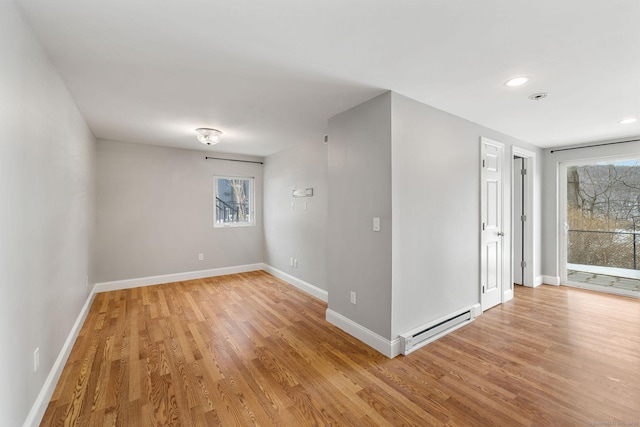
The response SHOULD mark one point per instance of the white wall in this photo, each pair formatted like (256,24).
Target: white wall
(297,233)
(46,214)
(550,222)
(155,212)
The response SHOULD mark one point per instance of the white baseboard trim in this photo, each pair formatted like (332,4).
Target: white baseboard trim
(175,277)
(389,348)
(300,284)
(40,405)
(537,281)
(508,295)
(551,280)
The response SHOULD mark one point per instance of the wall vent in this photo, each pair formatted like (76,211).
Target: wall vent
(430,332)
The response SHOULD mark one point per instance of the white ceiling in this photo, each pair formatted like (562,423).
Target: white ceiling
(269,74)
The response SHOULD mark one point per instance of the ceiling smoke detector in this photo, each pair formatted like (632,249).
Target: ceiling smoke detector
(538,96)
(208,136)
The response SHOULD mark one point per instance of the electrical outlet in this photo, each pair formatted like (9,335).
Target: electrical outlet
(86,282)
(36,359)
(353,297)
(295,263)
(290,262)
(200,257)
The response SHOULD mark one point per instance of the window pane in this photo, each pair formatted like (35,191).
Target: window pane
(233,201)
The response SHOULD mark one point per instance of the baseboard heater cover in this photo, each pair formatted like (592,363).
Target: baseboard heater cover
(419,337)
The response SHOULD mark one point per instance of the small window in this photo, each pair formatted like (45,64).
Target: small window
(233,201)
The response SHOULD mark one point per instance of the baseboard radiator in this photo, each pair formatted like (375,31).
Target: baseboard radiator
(430,332)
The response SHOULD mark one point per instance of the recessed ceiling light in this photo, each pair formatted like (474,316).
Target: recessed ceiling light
(628,120)
(517,81)
(538,96)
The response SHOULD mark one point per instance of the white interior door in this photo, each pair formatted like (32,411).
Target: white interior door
(492,209)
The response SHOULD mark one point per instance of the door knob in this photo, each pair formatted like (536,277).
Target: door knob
(500,233)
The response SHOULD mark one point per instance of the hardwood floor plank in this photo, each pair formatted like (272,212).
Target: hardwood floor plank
(248,349)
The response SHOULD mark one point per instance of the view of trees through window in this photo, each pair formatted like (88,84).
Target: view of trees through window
(603,214)
(233,201)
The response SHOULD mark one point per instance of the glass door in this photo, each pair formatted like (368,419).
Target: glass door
(602,226)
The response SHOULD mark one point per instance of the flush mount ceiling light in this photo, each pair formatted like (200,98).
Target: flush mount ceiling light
(538,96)
(208,136)
(628,120)
(517,81)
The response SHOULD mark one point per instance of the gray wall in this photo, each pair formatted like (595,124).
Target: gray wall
(551,223)
(359,259)
(418,168)
(297,233)
(47,163)
(436,211)
(155,212)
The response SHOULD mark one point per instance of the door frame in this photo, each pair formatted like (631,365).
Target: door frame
(507,291)
(529,278)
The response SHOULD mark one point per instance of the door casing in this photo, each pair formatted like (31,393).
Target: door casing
(528,278)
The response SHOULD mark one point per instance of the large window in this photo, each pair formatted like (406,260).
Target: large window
(233,201)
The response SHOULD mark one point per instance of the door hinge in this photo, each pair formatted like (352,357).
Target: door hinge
(483,289)
(483,226)
(523,264)
(523,171)
(523,218)
(482,162)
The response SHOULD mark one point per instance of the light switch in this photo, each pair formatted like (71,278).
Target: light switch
(376,224)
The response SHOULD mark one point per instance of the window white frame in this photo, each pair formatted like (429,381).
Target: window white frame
(217,206)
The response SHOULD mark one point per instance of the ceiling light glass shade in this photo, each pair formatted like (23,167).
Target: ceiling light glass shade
(516,81)
(208,136)
(628,121)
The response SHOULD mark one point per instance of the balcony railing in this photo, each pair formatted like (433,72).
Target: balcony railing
(615,249)
(227,211)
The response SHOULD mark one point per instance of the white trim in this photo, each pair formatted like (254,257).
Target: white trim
(40,404)
(508,295)
(298,283)
(551,280)
(529,255)
(389,348)
(538,280)
(561,223)
(175,277)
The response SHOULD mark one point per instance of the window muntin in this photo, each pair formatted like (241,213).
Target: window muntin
(233,201)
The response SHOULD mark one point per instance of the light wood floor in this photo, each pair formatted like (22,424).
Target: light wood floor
(249,349)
